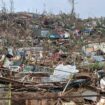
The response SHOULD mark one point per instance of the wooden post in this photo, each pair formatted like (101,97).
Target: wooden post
(9,103)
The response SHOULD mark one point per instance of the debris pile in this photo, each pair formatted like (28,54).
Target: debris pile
(51,59)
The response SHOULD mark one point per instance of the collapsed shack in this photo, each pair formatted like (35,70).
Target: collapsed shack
(42,99)
(48,98)
(32,93)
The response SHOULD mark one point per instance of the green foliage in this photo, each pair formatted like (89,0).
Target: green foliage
(51,70)
(96,66)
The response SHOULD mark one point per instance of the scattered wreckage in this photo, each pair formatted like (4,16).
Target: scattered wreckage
(39,82)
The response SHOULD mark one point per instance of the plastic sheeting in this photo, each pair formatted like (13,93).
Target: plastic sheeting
(98,58)
(64,71)
(61,73)
(102,83)
(90,92)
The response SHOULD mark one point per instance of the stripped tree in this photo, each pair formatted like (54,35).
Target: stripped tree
(4,10)
(11,6)
(72,3)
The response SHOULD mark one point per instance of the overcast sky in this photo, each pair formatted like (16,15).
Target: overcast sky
(85,8)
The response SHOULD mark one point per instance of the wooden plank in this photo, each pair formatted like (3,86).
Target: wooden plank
(36,74)
(8,80)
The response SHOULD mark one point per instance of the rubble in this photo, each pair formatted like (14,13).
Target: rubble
(45,52)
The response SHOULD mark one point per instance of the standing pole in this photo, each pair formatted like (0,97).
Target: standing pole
(10,95)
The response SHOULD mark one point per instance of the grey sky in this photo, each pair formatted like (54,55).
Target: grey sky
(85,8)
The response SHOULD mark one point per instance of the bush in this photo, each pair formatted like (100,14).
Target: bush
(96,66)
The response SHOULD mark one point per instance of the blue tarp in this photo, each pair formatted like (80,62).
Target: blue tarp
(87,30)
(54,36)
(98,58)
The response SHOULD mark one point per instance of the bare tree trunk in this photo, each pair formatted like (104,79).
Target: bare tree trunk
(72,3)
(4,10)
(11,6)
